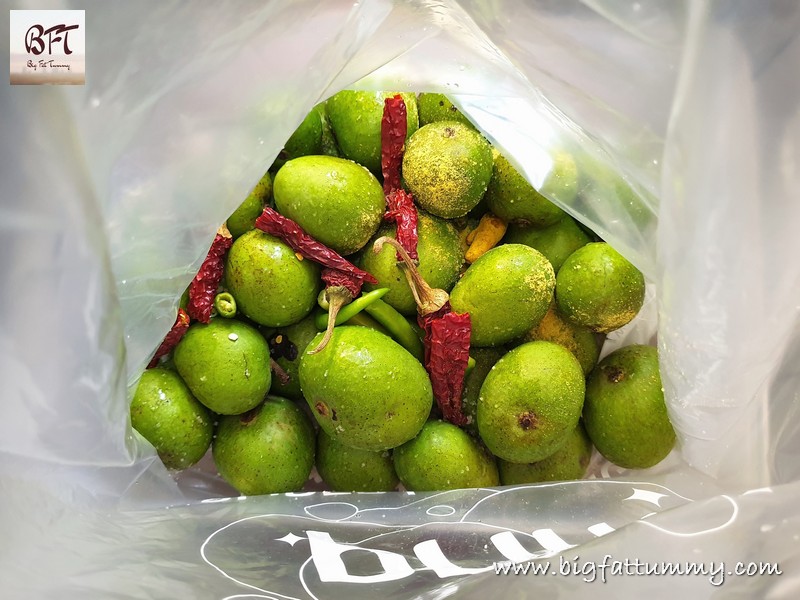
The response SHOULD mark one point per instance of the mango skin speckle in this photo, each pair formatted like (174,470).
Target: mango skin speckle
(447,167)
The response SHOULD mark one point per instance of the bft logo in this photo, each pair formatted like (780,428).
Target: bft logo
(34,42)
(47,47)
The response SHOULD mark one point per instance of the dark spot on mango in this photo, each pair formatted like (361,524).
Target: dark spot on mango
(249,415)
(321,408)
(614,374)
(528,420)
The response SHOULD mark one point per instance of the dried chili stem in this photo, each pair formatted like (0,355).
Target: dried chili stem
(337,297)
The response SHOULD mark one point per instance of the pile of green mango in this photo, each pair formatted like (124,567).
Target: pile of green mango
(538,399)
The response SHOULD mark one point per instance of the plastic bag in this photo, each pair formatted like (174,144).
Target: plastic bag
(112,193)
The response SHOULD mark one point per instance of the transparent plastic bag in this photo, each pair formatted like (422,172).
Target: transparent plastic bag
(687,115)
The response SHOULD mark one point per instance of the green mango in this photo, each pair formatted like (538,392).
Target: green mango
(556,242)
(437,107)
(513,199)
(485,359)
(336,201)
(581,341)
(447,167)
(506,292)
(530,401)
(272,286)
(267,450)
(347,469)
(243,219)
(440,260)
(355,117)
(225,364)
(568,463)
(625,413)
(598,288)
(444,457)
(306,139)
(166,414)
(365,390)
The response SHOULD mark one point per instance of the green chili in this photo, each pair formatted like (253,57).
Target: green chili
(225,305)
(348,311)
(398,327)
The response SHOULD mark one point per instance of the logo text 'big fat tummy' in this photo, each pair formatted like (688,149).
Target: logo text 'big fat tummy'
(47,47)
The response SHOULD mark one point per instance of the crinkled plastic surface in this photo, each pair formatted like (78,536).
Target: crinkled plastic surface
(685,115)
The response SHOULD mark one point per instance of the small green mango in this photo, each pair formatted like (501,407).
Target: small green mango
(598,288)
(568,463)
(625,412)
(347,469)
(444,457)
(506,292)
(355,117)
(447,167)
(530,401)
(556,242)
(164,411)
(336,201)
(438,107)
(267,450)
(225,364)
(365,390)
(272,286)
(306,139)
(513,199)
(243,219)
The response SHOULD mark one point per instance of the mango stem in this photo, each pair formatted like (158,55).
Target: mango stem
(428,299)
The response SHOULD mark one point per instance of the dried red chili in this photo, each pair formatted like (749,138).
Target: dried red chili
(172,338)
(399,203)
(343,280)
(274,223)
(447,337)
(394,129)
(204,285)
(401,210)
